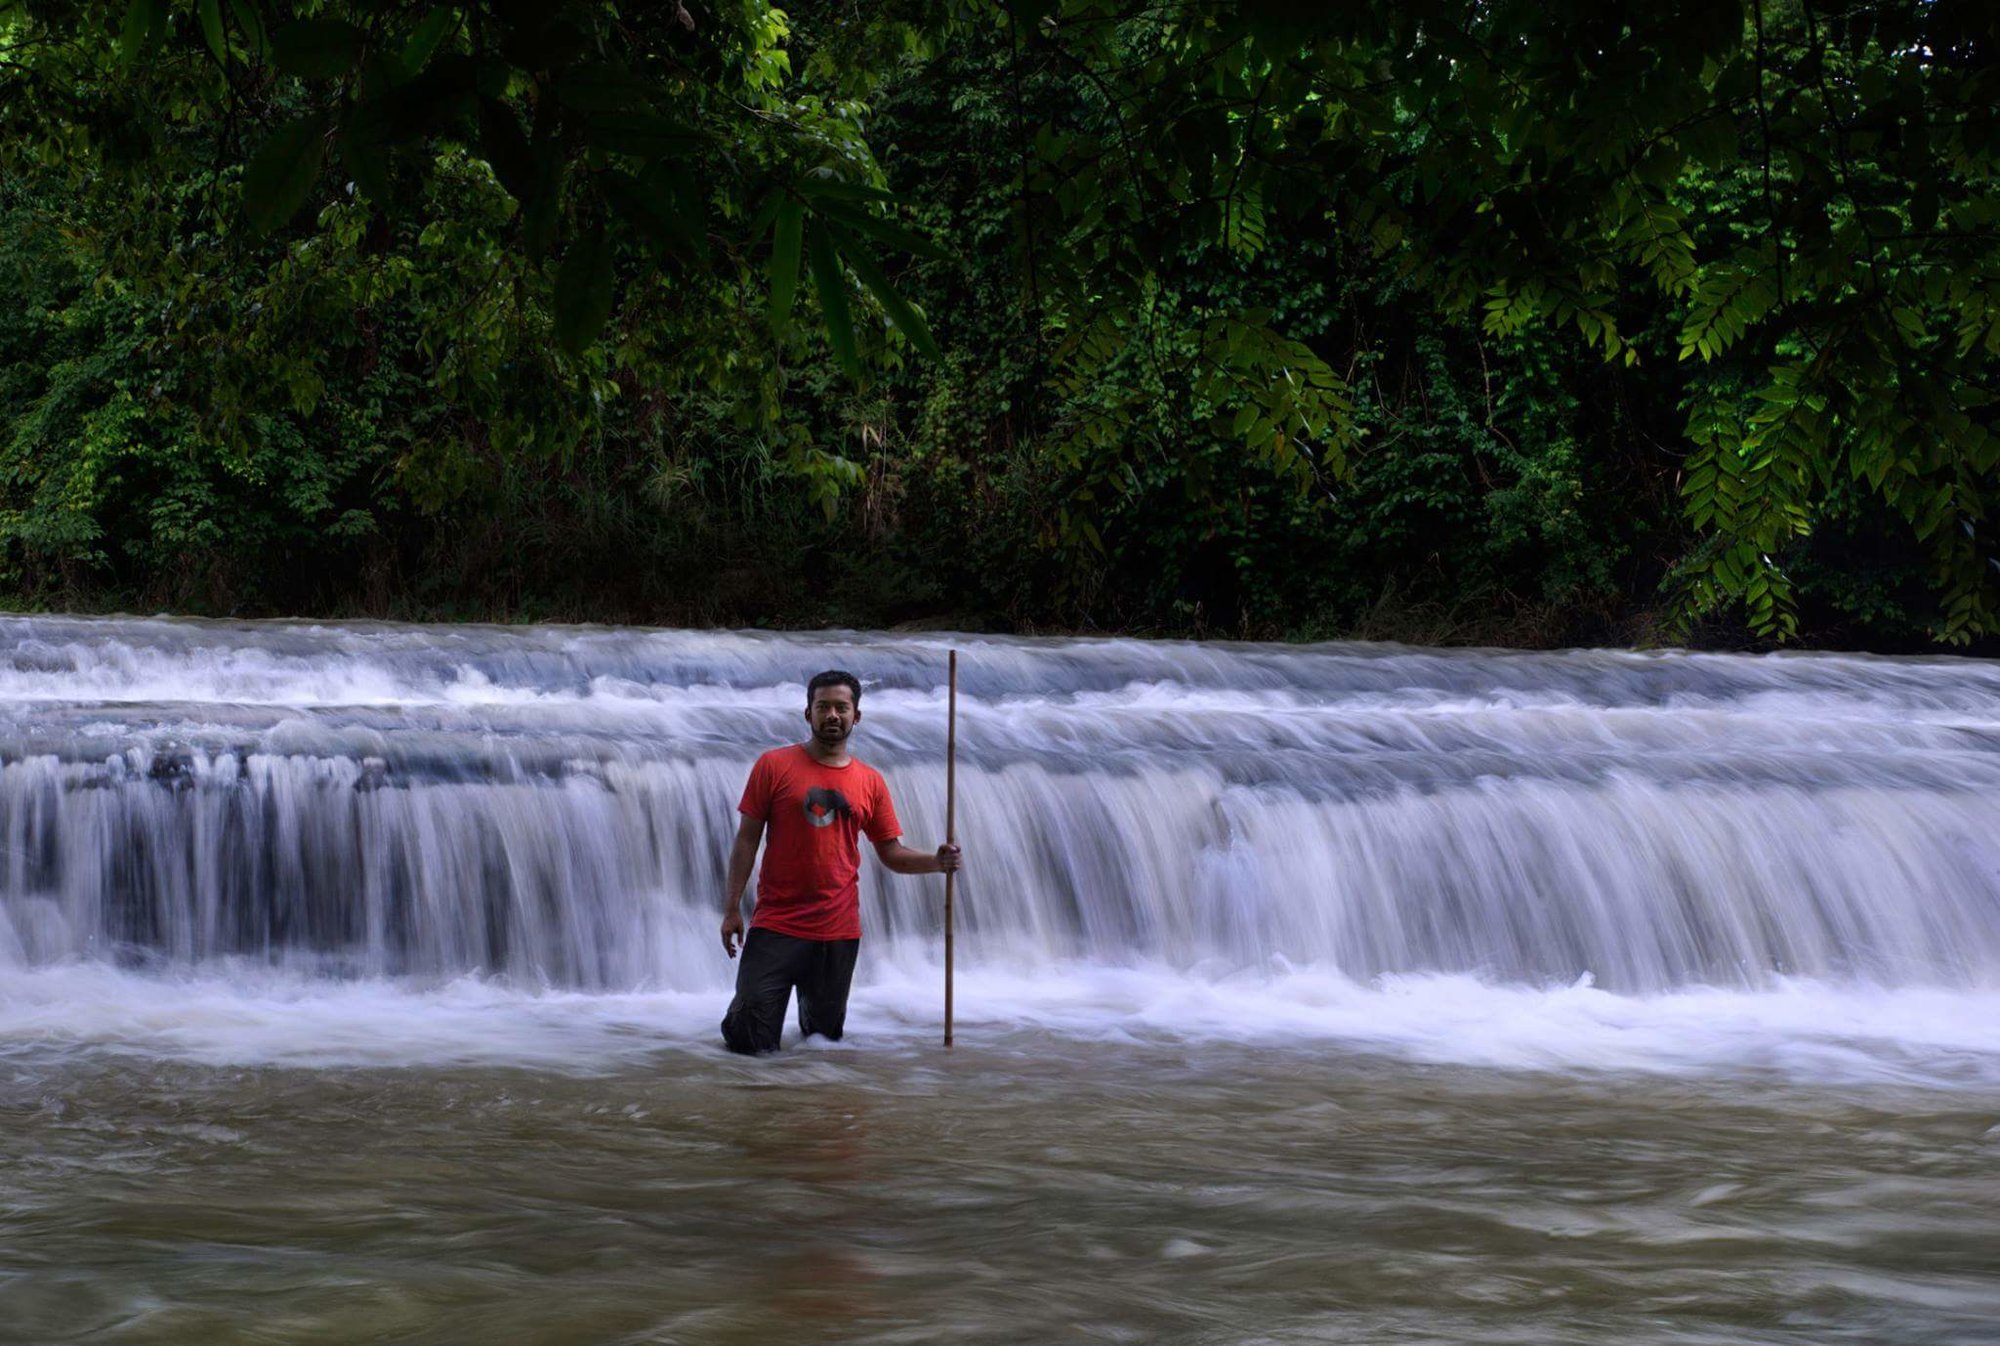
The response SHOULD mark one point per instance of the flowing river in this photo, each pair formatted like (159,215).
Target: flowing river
(360,984)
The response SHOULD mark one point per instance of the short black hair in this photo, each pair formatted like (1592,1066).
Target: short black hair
(833,677)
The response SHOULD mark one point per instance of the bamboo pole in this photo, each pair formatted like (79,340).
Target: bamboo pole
(950,824)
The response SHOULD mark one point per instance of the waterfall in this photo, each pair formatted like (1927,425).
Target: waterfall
(552,806)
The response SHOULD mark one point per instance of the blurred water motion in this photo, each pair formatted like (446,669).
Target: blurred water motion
(554,804)
(360,984)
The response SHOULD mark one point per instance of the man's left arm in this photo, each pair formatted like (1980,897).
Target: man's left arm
(903,860)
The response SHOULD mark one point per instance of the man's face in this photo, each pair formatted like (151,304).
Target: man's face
(832,715)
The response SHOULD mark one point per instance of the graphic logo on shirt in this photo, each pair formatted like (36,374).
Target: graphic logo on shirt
(822,806)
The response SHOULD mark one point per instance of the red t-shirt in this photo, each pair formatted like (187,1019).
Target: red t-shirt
(809,885)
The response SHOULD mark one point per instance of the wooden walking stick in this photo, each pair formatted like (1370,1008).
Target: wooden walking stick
(950,823)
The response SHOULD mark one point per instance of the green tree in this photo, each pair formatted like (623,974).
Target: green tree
(1163,274)
(1809,191)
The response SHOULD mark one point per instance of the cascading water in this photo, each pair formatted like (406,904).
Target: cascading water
(1258,834)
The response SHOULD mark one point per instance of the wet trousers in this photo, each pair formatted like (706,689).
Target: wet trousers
(769,969)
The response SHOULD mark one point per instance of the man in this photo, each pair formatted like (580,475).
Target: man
(806,927)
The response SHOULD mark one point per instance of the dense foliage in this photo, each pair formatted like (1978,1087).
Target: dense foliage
(1532,322)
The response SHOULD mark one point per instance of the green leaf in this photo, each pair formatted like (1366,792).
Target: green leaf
(144,20)
(886,232)
(282,174)
(583,292)
(251,24)
(436,26)
(210,14)
(318,48)
(786,237)
(832,288)
(767,212)
(871,275)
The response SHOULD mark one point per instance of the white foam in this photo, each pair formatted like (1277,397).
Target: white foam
(264,1018)
(1801,1031)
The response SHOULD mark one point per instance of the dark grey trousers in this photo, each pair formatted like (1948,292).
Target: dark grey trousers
(769,969)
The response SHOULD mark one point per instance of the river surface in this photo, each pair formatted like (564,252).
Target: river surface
(359,984)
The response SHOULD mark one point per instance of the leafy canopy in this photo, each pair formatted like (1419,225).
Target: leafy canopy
(1786,207)
(1799,201)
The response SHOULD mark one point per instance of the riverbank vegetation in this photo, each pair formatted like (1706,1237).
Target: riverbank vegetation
(1520,323)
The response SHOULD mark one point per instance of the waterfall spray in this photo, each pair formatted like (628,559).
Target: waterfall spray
(540,807)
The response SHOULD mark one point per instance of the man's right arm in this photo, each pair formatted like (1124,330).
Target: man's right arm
(742,859)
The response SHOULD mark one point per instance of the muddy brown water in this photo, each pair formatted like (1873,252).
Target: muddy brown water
(1020,1190)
